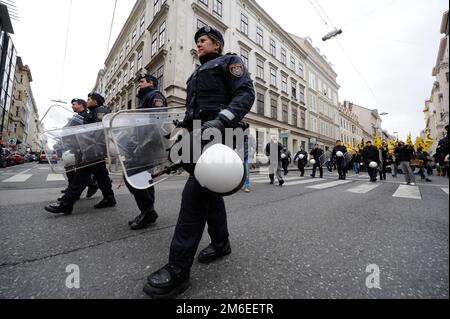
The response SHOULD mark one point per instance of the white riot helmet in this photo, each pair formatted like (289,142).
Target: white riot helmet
(302,156)
(339,154)
(220,170)
(373,164)
(313,161)
(283,156)
(68,159)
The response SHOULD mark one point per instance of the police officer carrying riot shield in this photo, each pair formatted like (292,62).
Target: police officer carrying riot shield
(82,177)
(317,153)
(302,158)
(148,98)
(79,106)
(338,157)
(219,94)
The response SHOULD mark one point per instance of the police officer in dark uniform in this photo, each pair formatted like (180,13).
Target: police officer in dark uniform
(220,93)
(81,179)
(317,153)
(370,154)
(301,161)
(79,106)
(149,98)
(340,161)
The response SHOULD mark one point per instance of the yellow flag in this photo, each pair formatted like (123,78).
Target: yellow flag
(392,145)
(379,142)
(409,140)
(350,148)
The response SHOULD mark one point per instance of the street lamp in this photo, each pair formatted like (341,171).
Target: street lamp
(332,34)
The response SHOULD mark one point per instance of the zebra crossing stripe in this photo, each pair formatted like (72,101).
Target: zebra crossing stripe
(329,185)
(308,181)
(18,178)
(364,188)
(267,180)
(406,191)
(445,190)
(55,178)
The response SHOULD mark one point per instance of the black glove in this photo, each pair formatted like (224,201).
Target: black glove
(215,124)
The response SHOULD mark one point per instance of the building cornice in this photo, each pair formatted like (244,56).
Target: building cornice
(202,12)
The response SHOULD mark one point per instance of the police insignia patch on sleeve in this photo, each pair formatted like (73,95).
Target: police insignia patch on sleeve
(237,69)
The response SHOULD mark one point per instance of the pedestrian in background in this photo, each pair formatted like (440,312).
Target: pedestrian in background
(405,154)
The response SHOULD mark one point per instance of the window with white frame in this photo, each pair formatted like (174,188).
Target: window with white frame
(294,116)
(313,101)
(312,81)
(273,76)
(283,56)
(285,113)
(260,36)
(273,48)
(293,64)
(139,61)
(132,68)
(284,86)
(162,34)
(244,24)
(244,56)
(205,2)
(260,68)
(302,94)
(301,70)
(142,26)
(134,37)
(260,104)
(294,90)
(217,7)
(154,43)
(274,108)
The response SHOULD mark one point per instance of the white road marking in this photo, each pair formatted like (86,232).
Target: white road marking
(364,188)
(329,185)
(308,181)
(55,177)
(445,190)
(20,178)
(267,180)
(406,191)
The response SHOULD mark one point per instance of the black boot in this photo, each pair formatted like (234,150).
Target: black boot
(60,208)
(281,183)
(109,201)
(92,190)
(167,283)
(272,178)
(144,220)
(214,252)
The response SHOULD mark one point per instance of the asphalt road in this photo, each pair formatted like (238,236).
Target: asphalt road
(309,239)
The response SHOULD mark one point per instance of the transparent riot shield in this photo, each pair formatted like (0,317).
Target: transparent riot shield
(348,159)
(67,143)
(75,147)
(139,141)
(326,157)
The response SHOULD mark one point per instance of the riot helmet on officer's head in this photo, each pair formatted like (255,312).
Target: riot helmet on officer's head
(78,105)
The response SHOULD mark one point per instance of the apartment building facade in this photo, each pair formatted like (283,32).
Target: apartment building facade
(158,38)
(369,121)
(23,116)
(350,129)
(437,106)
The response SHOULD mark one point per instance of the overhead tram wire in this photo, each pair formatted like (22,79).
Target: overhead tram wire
(111,28)
(65,50)
(342,47)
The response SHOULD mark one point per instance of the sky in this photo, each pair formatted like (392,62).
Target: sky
(383,59)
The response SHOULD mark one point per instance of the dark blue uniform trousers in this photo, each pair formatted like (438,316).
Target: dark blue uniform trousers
(145,199)
(198,207)
(82,178)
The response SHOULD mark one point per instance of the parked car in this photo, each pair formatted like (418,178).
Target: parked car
(10,159)
(43,158)
(18,158)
